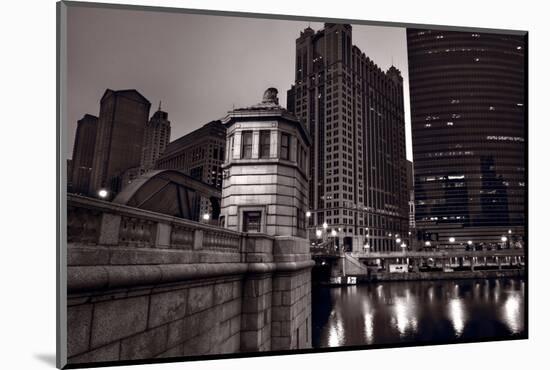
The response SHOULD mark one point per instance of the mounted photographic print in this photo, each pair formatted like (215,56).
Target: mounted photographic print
(235,184)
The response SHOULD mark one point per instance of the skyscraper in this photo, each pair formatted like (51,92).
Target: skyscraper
(123,115)
(155,139)
(83,154)
(355,116)
(468,131)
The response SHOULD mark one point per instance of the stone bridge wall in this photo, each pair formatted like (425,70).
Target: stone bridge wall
(145,285)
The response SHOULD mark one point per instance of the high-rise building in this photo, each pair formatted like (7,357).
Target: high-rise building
(123,115)
(155,139)
(410,189)
(354,112)
(83,154)
(468,129)
(199,154)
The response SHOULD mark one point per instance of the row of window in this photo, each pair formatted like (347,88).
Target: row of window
(265,145)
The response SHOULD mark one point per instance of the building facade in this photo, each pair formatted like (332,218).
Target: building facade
(199,154)
(83,154)
(123,115)
(265,174)
(468,130)
(155,139)
(354,113)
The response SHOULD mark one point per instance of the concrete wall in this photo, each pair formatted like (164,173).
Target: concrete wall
(145,285)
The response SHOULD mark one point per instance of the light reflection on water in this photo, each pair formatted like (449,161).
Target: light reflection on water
(400,312)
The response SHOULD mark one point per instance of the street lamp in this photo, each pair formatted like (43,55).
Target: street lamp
(366,247)
(333,233)
(102,193)
(452,239)
(325,225)
(503,239)
(318,233)
(308,214)
(206,217)
(398,240)
(428,243)
(509,231)
(389,235)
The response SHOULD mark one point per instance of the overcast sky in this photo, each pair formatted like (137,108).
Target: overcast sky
(199,66)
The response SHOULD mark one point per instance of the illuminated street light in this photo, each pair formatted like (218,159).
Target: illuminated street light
(389,235)
(452,239)
(308,214)
(403,245)
(509,231)
(206,216)
(366,247)
(325,225)
(398,240)
(318,233)
(427,244)
(469,242)
(333,233)
(103,193)
(503,239)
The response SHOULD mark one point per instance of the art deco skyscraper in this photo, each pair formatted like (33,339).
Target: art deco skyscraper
(123,115)
(155,139)
(83,153)
(468,130)
(355,115)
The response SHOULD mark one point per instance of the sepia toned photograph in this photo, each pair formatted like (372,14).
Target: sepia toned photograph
(246,184)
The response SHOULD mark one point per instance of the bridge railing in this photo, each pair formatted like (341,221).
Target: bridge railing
(92,222)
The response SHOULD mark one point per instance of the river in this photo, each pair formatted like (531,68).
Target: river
(416,312)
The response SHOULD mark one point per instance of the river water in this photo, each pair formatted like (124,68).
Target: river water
(415,312)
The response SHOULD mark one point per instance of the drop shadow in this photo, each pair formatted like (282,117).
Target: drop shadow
(47,358)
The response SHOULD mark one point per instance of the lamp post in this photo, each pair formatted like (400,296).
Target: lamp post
(504,239)
(366,247)
(103,193)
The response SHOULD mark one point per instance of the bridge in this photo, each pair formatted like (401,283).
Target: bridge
(141,284)
(417,265)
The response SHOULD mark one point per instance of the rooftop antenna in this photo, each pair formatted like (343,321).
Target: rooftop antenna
(160,104)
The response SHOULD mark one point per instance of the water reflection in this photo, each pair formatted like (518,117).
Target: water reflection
(417,311)
(456,312)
